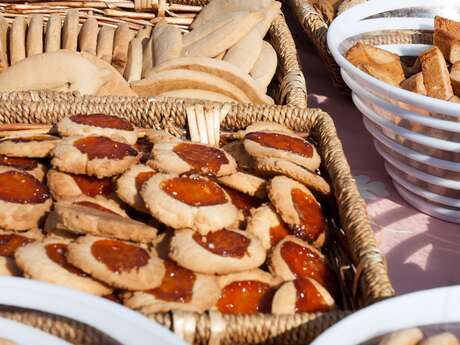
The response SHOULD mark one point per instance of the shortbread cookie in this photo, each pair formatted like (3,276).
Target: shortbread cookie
(220,252)
(94,155)
(246,292)
(298,208)
(197,158)
(98,124)
(24,200)
(293,258)
(246,183)
(291,147)
(189,202)
(267,226)
(277,166)
(130,183)
(32,146)
(48,261)
(29,165)
(302,295)
(65,186)
(180,289)
(239,154)
(9,243)
(86,217)
(120,264)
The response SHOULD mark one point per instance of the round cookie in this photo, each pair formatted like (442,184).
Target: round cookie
(98,124)
(243,202)
(267,226)
(93,155)
(188,157)
(302,295)
(130,183)
(48,261)
(189,202)
(278,166)
(246,183)
(298,208)
(65,186)
(157,136)
(293,258)
(9,243)
(93,217)
(246,292)
(219,252)
(263,126)
(291,147)
(117,263)
(31,145)
(29,165)
(180,289)
(24,200)
(239,154)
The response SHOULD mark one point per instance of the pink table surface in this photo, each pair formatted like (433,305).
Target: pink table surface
(422,252)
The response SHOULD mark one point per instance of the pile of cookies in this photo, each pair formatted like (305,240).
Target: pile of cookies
(435,73)
(223,58)
(160,223)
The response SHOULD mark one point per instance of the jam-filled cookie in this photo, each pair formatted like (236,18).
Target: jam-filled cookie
(264,126)
(189,202)
(293,258)
(94,155)
(29,165)
(291,147)
(9,243)
(120,264)
(221,252)
(24,200)
(298,208)
(130,183)
(96,218)
(98,124)
(180,289)
(267,226)
(246,292)
(65,186)
(246,183)
(245,203)
(237,151)
(185,156)
(157,136)
(48,261)
(277,166)
(302,295)
(32,146)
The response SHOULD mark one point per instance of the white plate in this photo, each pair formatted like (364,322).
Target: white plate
(25,335)
(120,323)
(429,307)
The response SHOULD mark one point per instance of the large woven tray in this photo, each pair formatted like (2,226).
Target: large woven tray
(354,254)
(288,86)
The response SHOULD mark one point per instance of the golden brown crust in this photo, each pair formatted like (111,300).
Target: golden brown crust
(435,74)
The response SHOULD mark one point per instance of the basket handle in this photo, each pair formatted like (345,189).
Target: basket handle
(204,122)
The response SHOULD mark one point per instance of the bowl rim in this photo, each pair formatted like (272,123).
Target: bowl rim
(375,7)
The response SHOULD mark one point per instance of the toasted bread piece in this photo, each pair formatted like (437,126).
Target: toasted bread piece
(379,63)
(435,74)
(452,26)
(455,78)
(328,8)
(449,45)
(415,84)
(454,99)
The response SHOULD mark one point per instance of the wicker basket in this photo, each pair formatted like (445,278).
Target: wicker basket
(354,255)
(315,26)
(288,86)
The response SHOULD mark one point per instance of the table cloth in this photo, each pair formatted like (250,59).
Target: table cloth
(422,252)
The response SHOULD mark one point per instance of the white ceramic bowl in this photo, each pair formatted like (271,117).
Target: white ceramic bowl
(418,136)
(430,307)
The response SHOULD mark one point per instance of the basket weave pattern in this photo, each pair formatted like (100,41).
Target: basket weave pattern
(214,328)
